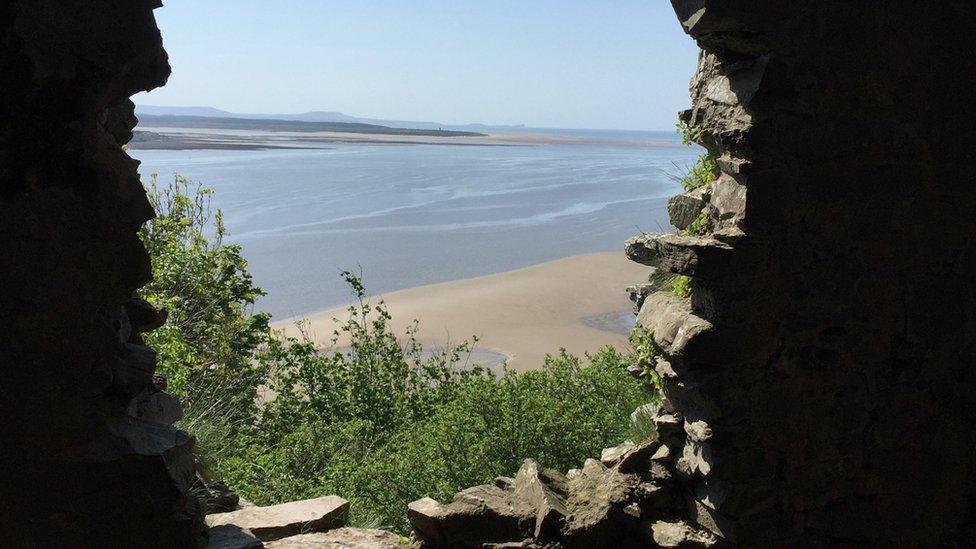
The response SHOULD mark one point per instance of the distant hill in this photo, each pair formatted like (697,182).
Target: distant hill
(313,116)
(330,117)
(183,111)
(281,125)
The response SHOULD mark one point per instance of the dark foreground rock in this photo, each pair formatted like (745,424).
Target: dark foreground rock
(88,456)
(819,377)
(230,536)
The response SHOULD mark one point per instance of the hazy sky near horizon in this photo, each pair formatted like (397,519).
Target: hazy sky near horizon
(623,64)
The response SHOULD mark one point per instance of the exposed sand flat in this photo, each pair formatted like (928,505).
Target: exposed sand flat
(189,138)
(179,138)
(522,314)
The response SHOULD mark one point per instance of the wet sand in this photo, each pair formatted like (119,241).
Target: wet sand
(519,316)
(196,138)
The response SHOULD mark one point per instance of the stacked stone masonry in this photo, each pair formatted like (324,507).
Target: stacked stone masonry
(822,370)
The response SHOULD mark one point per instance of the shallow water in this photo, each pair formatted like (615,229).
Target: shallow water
(407,215)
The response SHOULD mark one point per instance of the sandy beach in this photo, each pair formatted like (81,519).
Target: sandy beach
(195,138)
(578,303)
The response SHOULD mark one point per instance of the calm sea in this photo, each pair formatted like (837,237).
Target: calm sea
(407,215)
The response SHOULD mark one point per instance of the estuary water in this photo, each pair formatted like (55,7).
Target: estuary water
(408,215)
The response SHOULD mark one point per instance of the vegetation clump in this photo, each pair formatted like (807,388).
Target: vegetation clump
(701,174)
(701,225)
(646,352)
(206,348)
(681,286)
(376,418)
(705,170)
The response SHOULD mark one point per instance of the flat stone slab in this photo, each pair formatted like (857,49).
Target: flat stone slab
(343,538)
(705,258)
(287,519)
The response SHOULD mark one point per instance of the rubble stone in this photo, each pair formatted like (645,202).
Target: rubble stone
(610,456)
(287,519)
(684,208)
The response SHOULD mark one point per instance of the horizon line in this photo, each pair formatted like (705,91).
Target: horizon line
(521,125)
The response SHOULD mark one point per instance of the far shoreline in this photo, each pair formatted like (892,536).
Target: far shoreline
(176,138)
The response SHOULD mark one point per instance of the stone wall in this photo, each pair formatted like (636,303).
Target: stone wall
(85,461)
(820,377)
(823,366)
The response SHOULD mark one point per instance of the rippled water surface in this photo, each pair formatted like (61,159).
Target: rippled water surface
(418,214)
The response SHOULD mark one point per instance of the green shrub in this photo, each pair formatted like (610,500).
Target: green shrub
(559,415)
(376,378)
(211,334)
(483,427)
(380,421)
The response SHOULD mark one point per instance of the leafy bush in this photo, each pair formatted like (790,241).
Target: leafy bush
(705,169)
(205,347)
(374,379)
(384,423)
(379,421)
(559,415)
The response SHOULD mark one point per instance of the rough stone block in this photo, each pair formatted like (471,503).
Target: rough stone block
(704,258)
(156,406)
(637,459)
(670,320)
(287,519)
(545,491)
(610,456)
(683,209)
(728,198)
(478,515)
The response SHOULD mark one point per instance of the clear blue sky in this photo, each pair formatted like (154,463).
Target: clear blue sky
(556,63)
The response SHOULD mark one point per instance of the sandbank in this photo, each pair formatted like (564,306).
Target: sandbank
(578,303)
